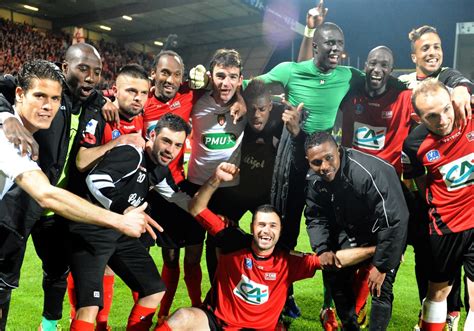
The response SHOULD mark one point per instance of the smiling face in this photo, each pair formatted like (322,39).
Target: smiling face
(130,94)
(378,68)
(82,71)
(167,144)
(266,229)
(168,76)
(436,111)
(38,105)
(328,45)
(427,54)
(324,160)
(225,81)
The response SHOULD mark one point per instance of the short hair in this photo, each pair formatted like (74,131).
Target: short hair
(226,58)
(265,208)
(256,89)
(172,122)
(133,70)
(416,34)
(158,56)
(39,69)
(318,138)
(327,26)
(427,86)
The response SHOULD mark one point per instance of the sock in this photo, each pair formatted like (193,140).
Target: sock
(469,323)
(103,315)
(433,317)
(78,325)
(72,296)
(163,327)
(140,318)
(135,296)
(48,325)
(361,288)
(193,278)
(170,277)
(327,303)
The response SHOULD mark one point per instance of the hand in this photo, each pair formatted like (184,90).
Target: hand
(137,222)
(329,261)
(135,139)
(316,15)
(226,172)
(111,113)
(375,281)
(291,117)
(238,108)
(228,222)
(198,77)
(19,136)
(461,100)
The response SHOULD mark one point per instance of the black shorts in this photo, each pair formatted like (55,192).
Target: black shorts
(449,253)
(180,228)
(95,247)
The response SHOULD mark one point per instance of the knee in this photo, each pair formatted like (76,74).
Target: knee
(87,314)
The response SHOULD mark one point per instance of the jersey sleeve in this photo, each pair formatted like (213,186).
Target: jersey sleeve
(357,81)
(279,74)
(412,166)
(165,185)
(302,265)
(121,161)
(453,78)
(12,163)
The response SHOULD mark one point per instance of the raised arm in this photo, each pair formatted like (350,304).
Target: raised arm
(314,18)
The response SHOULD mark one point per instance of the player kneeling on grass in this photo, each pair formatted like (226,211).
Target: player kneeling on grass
(253,276)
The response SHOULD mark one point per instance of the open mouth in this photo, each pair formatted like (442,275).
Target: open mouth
(376,78)
(333,58)
(169,88)
(86,90)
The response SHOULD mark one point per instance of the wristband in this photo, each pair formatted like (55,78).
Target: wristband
(309,33)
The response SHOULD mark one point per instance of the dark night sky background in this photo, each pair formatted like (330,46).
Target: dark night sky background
(369,23)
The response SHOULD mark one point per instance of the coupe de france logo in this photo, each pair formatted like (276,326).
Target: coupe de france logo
(433,155)
(251,292)
(369,137)
(459,173)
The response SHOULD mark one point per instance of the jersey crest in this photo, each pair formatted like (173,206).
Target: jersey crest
(369,137)
(459,173)
(251,292)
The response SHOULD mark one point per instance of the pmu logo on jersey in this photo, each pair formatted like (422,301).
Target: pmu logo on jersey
(251,292)
(221,140)
(369,137)
(433,155)
(459,173)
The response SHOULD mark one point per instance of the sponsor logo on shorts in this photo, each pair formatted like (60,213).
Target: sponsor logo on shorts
(369,137)
(248,263)
(270,276)
(115,134)
(433,155)
(216,141)
(251,292)
(96,294)
(459,173)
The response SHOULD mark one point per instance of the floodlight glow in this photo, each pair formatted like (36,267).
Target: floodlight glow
(105,27)
(30,8)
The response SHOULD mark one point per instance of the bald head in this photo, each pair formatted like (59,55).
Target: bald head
(378,67)
(82,68)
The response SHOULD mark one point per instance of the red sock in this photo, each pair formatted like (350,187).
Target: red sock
(78,325)
(72,296)
(170,277)
(163,327)
(103,315)
(429,326)
(140,318)
(361,287)
(192,278)
(135,296)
